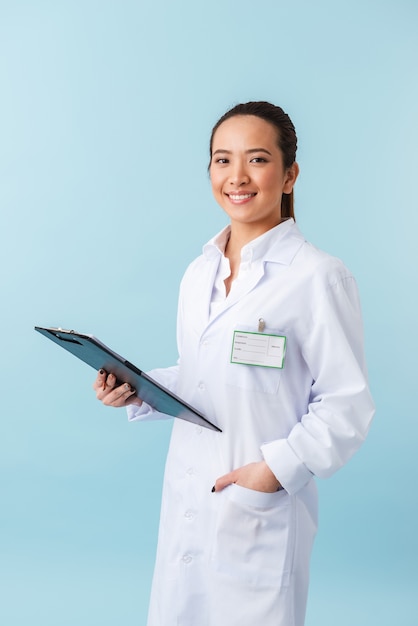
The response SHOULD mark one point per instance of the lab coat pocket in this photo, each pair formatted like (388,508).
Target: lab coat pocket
(255,377)
(254,537)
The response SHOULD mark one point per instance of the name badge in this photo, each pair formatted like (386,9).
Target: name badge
(258,349)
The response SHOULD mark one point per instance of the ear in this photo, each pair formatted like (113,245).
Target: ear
(290,177)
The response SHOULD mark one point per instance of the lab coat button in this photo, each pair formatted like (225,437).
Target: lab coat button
(189,514)
(191,471)
(187,559)
(201,386)
(199,430)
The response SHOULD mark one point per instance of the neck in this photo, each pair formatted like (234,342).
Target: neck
(241,234)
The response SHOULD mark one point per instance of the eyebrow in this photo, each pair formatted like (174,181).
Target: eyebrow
(251,151)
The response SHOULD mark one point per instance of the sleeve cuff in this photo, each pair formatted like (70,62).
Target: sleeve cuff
(136,412)
(285,465)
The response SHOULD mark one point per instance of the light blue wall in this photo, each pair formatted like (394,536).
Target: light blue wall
(105,112)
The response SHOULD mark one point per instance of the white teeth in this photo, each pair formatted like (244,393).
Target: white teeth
(241,196)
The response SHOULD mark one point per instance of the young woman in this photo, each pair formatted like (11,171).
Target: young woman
(270,349)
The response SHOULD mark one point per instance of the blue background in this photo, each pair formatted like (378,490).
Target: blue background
(105,114)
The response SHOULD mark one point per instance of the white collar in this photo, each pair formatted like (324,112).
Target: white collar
(279,244)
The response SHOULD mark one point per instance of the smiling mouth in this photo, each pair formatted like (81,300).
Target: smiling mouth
(236,197)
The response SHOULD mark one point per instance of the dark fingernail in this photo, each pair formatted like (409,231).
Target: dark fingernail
(213,489)
(101,372)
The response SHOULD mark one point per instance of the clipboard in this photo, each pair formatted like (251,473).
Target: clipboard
(93,352)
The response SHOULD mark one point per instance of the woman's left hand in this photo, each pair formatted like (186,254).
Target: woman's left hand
(257,476)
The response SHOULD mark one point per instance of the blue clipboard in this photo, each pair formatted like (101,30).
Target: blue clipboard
(93,352)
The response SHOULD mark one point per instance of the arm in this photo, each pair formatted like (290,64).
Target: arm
(340,408)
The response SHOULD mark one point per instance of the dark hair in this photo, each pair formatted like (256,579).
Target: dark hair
(286,137)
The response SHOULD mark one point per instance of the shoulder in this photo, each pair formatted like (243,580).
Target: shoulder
(328,285)
(319,266)
(199,272)
(198,264)
(208,261)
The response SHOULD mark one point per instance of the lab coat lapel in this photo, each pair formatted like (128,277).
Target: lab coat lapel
(203,292)
(281,250)
(238,291)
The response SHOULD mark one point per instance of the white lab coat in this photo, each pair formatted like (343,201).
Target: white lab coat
(240,557)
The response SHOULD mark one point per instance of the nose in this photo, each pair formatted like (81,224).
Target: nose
(239,176)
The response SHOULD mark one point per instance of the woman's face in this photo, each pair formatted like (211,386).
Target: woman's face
(247,173)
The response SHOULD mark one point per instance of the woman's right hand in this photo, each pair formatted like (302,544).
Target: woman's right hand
(110,395)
